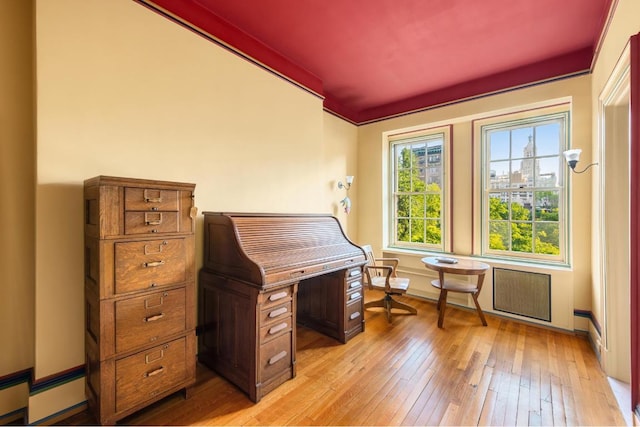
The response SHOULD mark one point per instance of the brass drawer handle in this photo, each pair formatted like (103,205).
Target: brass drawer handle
(355,295)
(278,328)
(153,302)
(156,355)
(354,315)
(149,199)
(278,312)
(277,357)
(153,264)
(278,296)
(154,372)
(149,249)
(355,284)
(154,317)
(154,218)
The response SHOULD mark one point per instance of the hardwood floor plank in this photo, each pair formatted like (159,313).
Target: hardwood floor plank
(410,372)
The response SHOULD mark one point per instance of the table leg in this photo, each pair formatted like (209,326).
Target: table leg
(442,303)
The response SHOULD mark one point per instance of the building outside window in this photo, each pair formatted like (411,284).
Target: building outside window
(524,200)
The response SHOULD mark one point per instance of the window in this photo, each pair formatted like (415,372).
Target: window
(418,188)
(524,197)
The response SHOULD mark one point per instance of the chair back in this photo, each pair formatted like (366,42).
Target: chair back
(371,260)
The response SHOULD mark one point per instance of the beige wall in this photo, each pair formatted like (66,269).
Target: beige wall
(124,92)
(16,197)
(570,286)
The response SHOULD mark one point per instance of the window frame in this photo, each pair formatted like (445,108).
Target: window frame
(518,120)
(441,132)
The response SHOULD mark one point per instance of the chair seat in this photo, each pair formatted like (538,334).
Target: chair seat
(456,286)
(397,284)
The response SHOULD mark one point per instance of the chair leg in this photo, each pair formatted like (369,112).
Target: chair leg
(480,313)
(442,303)
(376,303)
(387,307)
(403,306)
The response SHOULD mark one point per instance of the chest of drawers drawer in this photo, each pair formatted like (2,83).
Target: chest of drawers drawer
(150,222)
(144,375)
(147,319)
(150,199)
(151,263)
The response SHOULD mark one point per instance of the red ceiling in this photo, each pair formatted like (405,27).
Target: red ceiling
(372,59)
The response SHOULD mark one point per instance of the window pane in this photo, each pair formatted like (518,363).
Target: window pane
(417,231)
(403,230)
(499,236)
(404,180)
(547,238)
(547,171)
(521,203)
(418,206)
(433,232)
(547,208)
(499,175)
(403,207)
(433,206)
(403,157)
(548,139)
(521,236)
(522,143)
(499,206)
(499,145)
(417,181)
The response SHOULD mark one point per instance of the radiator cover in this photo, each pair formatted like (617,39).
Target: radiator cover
(523,293)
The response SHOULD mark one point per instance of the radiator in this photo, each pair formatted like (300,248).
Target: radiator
(523,293)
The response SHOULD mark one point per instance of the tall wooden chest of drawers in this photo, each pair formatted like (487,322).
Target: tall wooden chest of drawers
(140,315)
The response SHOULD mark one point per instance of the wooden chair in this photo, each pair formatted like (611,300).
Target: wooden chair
(381,275)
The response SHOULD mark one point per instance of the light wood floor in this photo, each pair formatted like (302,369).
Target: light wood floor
(412,373)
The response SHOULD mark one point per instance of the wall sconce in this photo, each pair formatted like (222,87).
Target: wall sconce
(572,157)
(346,202)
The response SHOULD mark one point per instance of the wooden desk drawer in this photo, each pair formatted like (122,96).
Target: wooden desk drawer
(151,222)
(275,329)
(147,264)
(150,199)
(275,312)
(277,296)
(275,357)
(354,314)
(354,286)
(354,273)
(147,319)
(354,296)
(144,375)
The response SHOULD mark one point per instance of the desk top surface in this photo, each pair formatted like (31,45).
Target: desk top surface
(461,266)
